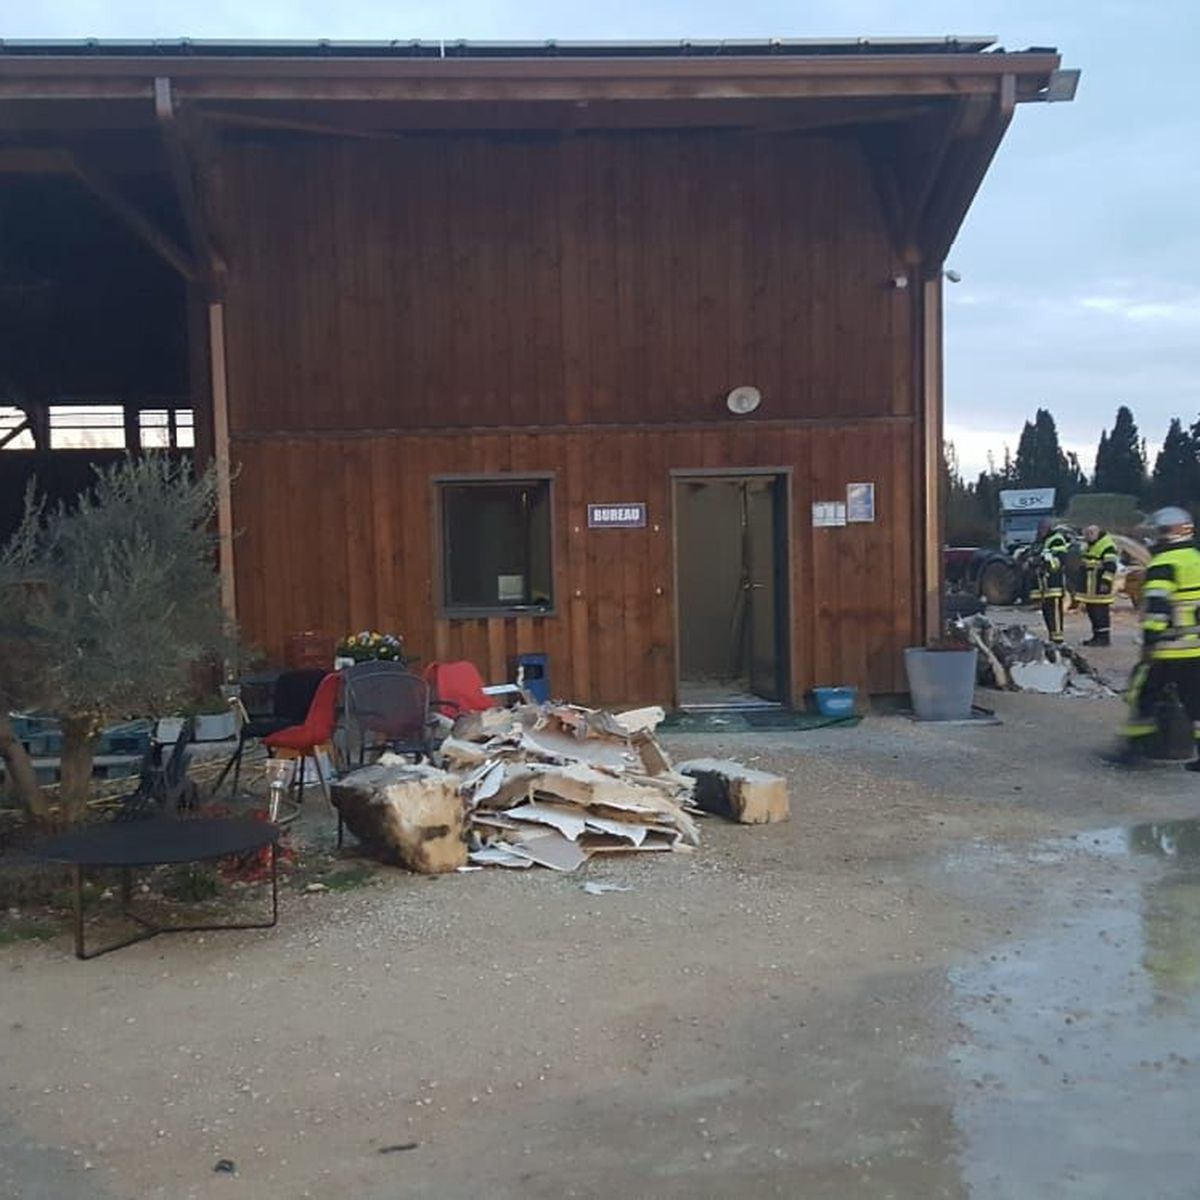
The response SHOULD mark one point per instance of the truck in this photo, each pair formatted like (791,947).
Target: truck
(995,573)
(1021,509)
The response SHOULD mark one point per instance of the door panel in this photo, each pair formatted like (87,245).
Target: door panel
(731,564)
(709,552)
(760,582)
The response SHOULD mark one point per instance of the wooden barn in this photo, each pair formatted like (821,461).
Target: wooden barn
(625,354)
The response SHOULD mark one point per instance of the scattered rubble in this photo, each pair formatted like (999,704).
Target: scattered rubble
(1014,658)
(549,785)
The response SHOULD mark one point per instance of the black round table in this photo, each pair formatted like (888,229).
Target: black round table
(159,842)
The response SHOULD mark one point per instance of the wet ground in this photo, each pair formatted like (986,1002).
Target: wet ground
(1078,1074)
(969,967)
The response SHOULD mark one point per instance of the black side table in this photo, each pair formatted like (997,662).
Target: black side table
(159,842)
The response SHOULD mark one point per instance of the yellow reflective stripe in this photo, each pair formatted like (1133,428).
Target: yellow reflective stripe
(1168,651)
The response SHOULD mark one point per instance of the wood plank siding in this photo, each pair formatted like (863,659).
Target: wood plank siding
(580,305)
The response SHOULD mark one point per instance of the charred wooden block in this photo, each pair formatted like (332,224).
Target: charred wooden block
(406,813)
(727,789)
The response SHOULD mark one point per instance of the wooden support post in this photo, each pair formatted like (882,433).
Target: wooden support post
(220,425)
(931,425)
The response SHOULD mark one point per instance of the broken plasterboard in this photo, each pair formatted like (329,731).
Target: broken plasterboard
(486,784)
(499,856)
(640,720)
(599,752)
(550,849)
(569,821)
(1047,677)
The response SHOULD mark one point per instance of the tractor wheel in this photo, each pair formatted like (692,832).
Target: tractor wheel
(1000,584)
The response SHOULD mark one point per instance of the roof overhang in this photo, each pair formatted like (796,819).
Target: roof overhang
(930,113)
(265,74)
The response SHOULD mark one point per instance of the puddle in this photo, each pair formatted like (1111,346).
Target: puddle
(1170,839)
(1079,1075)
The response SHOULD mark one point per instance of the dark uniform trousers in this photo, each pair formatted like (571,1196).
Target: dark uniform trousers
(1100,562)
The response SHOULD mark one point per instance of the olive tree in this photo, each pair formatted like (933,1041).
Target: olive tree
(107,606)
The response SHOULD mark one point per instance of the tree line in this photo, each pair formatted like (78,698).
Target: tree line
(1120,469)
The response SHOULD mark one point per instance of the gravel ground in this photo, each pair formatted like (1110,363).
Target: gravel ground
(827,1008)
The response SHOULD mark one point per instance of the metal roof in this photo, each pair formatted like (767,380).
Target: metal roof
(778,47)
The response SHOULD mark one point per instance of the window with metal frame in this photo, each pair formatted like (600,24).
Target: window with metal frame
(166,429)
(496,545)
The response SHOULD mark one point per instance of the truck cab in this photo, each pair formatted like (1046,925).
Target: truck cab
(1021,509)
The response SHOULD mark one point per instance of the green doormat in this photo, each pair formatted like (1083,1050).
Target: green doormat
(748,720)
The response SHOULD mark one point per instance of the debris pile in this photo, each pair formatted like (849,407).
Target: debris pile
(1014,658)
(549,785)
(557,784)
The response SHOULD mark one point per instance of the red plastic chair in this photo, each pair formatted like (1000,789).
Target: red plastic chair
(456,688)
(317,730)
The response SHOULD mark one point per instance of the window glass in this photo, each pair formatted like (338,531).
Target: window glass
(87,427)
(11,419)
(496,545)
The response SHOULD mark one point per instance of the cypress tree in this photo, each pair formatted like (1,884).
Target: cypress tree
(1121,467)
(1175,469)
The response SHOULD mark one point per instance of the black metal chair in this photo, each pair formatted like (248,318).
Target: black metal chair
(294,692)
(164,789)
(387,708)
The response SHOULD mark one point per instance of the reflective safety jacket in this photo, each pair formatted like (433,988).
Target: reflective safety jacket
(1100,562)
(1171,604)
(1048,565)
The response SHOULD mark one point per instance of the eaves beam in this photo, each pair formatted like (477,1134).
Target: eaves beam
(56,161)
(182,166)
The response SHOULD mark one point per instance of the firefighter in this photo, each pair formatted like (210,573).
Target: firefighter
(1049,568)
(1170,629)
(1100,562)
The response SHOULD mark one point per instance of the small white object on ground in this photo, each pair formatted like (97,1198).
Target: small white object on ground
(601,889)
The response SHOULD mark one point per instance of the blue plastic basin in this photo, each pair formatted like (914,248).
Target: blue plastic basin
(835,701)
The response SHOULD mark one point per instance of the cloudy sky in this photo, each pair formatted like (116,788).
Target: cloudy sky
(1080,260)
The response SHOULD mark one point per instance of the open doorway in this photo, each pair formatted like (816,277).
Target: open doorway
(731,580)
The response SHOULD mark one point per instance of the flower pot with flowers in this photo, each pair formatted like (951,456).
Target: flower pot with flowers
(371,646)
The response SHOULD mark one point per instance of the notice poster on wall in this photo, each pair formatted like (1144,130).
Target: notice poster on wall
(828,514)
(860,503)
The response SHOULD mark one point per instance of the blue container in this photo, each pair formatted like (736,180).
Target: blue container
(835,701)
(534,672)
